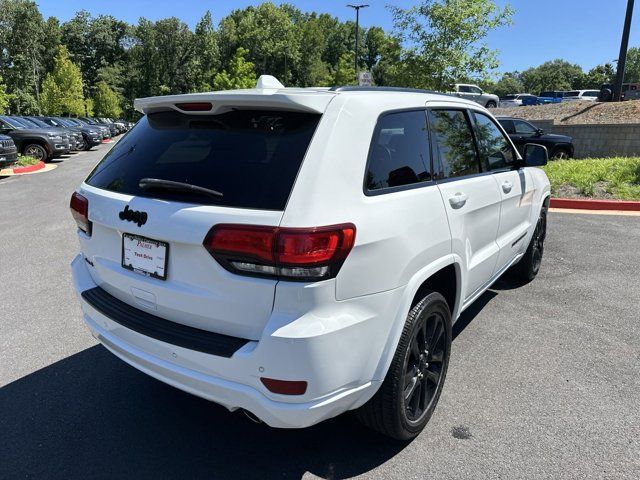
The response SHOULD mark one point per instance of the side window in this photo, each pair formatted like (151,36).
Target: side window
(399,153)
(524,128)
(453,143)
(475,90)
(508,125)
(464,89)
(495,150)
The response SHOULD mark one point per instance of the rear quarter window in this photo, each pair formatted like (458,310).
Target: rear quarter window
(251,156)
(399,153)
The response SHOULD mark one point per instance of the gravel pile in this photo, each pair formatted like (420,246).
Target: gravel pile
(578,112)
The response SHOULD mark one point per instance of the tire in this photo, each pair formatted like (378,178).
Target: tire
(491,104)
(82,146)
(417,373)
(561,153)
(529,265)
(36,151)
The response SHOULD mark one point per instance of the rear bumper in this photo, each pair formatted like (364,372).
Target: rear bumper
(340,363)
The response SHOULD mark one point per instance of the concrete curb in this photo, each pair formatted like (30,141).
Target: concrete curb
(27,169)
(589,204)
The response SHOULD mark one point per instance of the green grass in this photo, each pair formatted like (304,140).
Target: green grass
(618,177)
(25,161)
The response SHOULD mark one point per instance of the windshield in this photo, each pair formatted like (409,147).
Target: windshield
(252,156)
(13,122)
(38,122)
(27,123)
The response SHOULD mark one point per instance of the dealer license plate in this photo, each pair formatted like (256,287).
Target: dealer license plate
(145,256)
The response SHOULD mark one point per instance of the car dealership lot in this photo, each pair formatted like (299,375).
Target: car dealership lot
(544,380)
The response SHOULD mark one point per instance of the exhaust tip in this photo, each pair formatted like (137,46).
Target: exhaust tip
(251,416)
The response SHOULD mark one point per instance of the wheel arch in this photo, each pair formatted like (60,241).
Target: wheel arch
(36,141)
(439,275)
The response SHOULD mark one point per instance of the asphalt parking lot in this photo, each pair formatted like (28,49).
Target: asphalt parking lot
(544,380)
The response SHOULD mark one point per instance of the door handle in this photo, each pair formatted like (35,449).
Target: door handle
(506,187)
(458,200)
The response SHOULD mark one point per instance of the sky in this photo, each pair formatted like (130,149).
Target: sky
(586,32)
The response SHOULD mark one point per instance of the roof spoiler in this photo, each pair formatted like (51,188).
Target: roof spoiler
(268,94)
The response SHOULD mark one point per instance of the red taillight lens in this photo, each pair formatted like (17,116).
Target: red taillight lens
(195,106)
(284,387)
(79,206)
(303,254)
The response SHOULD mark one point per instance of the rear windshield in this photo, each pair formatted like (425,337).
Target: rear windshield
(572,94)
(251,156)
(509,97)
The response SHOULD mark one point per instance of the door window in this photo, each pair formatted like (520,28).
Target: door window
(475,90)
(453,143)
(464,89)
(399,153)
(494,148)
(524,128)
(508,125)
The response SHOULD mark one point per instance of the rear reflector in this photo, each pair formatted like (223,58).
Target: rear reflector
(195,106)
(79,206)
(284,387)
(304,254)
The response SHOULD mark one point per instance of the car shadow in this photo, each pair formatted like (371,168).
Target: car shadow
(92,416)
(472,311)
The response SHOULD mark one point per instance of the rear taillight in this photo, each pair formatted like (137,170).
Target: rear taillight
(79,206)
(303,254)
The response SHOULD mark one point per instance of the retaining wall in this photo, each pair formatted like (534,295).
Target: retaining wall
(598,140)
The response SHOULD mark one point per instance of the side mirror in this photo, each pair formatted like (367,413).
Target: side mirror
(535,155)
(539,132)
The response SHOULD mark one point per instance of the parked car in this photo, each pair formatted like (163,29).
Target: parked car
(576,95)
(518,100)
(40,143)
(630,91)
(476,94)
(277,258)
(522,133)
(551,96)
(8,151)
(69,135)
(90,135)
(113,130)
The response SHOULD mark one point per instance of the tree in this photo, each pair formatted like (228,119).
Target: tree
(596,77)
(239,74)
(207,55)
(106,102)
(632,69)
(345,73)
(444,40)
(553,75)
(22,44)
(4,97)
(62,88)
(509,83)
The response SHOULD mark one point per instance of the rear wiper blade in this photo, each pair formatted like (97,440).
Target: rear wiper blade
(161,184)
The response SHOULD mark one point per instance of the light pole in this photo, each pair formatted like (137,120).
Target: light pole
(357,9)
(622,59)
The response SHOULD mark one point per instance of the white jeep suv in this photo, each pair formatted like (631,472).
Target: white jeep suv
(297,253)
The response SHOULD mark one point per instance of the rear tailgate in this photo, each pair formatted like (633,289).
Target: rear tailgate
(251,156)
(197,291)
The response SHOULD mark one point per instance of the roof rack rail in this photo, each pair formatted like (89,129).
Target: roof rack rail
(355,88)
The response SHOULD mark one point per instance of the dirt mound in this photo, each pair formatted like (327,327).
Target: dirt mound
(568,113)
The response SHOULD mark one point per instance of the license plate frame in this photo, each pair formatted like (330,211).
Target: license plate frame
(140,270)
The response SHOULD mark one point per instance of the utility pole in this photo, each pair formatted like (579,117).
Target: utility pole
(622,59)
(357,9)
